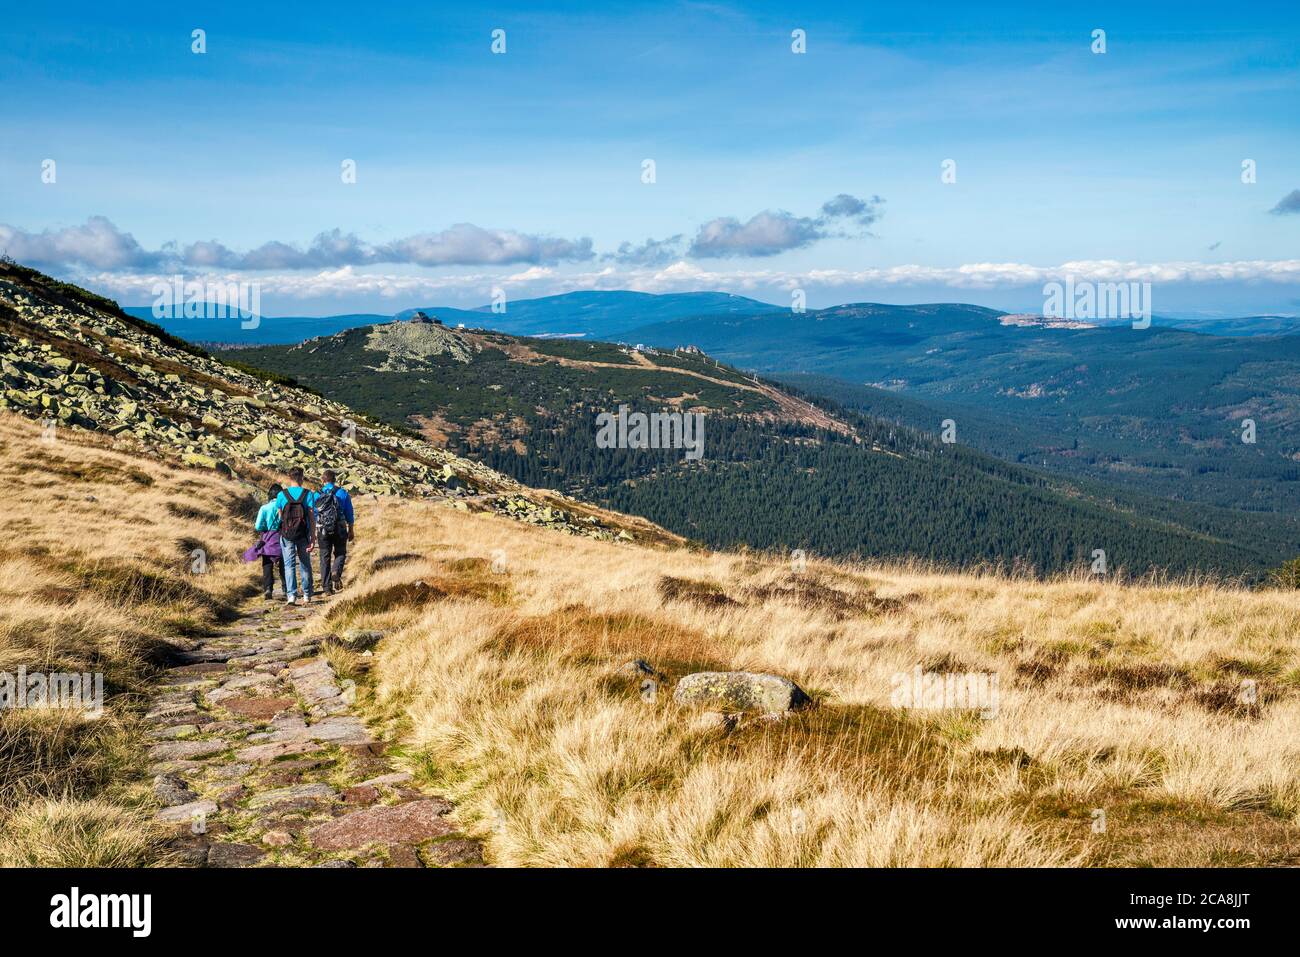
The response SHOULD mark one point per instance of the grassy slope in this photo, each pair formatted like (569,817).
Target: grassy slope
(508,691)
(95,576)
(1121,698)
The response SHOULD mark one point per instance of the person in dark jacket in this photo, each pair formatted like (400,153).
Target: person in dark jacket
(334,518)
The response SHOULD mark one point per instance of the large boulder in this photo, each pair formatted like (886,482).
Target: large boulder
(740,691)
(265,441)
(199,459)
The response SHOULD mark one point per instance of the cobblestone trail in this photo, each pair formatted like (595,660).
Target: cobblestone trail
(260,760)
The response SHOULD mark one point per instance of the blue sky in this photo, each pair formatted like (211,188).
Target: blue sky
(523,170)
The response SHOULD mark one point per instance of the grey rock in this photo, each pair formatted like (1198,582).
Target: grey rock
(173,732)
(171,709)
(230,772)
(182,813)
(740,691)
(261,753)
(330,706)
(340,730)
(202,655)
(187,750)
(356,639)
(250,681)
(318,792)
(288,724)
(234,855)
(171,767)
(171,790)
(396,777)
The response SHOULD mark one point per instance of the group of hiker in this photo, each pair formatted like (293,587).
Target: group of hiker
(294,522)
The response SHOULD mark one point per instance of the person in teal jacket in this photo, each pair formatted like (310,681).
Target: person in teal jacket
(268,516)
(268,546)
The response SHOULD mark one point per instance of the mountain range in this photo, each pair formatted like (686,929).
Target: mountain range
(1194,417)
(593,314)
(1164,419)
(783,467)
(1183,414)
(596,314)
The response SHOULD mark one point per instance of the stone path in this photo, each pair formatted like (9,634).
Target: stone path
(260,760)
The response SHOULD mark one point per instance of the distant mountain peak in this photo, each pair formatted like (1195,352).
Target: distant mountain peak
(407,344)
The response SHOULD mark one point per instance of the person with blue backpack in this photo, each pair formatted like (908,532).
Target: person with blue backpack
(297,531)
(334,529)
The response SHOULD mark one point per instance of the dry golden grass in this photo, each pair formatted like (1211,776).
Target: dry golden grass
(76,833)
(95,576)
(501,674)
(508,693)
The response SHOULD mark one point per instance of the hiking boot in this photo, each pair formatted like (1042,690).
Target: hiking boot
(268,596)
(289,600)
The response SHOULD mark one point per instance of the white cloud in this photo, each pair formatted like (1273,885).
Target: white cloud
(682,276)
(768,233)
(531,274)
(764,234)
(99,244)
(652,252)
(466,243)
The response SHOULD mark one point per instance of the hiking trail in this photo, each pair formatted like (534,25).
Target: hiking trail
(260,759)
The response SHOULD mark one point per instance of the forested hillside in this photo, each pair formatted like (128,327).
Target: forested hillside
(1161,411)
(779,471)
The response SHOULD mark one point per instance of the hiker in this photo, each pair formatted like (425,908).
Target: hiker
(333,508)
(268,544)
(297,529)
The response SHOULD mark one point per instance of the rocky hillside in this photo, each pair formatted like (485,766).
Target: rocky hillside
(405,345)
(73,360)
(477,388)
